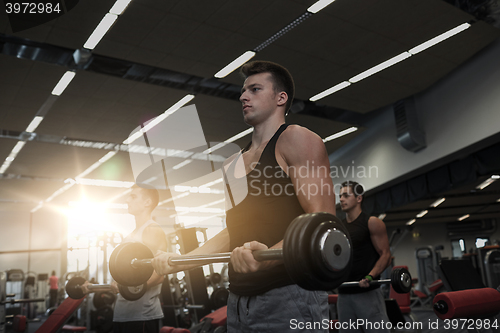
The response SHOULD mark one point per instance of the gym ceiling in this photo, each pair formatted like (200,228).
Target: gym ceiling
(176,47)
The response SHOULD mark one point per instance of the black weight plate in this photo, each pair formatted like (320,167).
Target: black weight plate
(120,264)
(331,258)
(401,280)
(296,253)
(104,320)
(301,246)
(219,297)
(103,298)
(73,287)
(132,293)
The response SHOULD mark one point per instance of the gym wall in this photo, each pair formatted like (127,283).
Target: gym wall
(456,112)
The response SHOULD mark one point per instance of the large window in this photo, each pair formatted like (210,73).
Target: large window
(458,247)
(482,242)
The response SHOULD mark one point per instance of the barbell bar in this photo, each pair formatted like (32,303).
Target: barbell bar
(400,281)
(316,253)
(75,291)
(22,300)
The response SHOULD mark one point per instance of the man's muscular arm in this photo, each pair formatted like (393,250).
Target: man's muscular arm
(380,241)
(303,156)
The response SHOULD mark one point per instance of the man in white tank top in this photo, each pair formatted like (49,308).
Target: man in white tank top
(144,314)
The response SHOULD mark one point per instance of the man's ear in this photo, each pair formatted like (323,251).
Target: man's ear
(282,98)
(359,198)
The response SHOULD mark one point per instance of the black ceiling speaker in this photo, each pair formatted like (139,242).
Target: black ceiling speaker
(410,133)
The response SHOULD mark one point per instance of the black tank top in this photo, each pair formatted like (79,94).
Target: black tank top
(263,215)
(364,253)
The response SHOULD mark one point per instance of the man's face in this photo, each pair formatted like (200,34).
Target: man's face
(347,199)
(258,98)
(137,202)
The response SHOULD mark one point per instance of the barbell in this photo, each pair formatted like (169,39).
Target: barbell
(130,293)
(400,281)
(316,252)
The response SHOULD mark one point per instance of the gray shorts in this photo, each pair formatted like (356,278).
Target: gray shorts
(285,309)
(367,309)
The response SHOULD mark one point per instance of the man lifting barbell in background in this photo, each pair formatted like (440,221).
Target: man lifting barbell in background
(371,256)
(142,315)
(287,174)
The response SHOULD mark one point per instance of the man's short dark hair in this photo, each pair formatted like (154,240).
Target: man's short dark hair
(356,188)
(282,79)
(150,192)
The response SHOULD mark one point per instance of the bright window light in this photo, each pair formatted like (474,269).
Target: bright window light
(437,202)
(319,6)
(63,83)
(422,213)
(380,67)
(235,64)
(330,91)
(410,222)
(461,218)
(339,134)
(439,39)
(100,31)
(34,124)
(119,7)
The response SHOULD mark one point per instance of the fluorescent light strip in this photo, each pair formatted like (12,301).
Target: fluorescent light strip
(392,61)
(410,222)
(99,32)
(382,216)
(102,182)
(180,165)
(235,64)
(8,161)
(437,202)
(463,217)
(330,91)
(439,39)
(159,119)
(63,83)
(422,213)
(495,177)
(486,183)
(230,140)
(380,67)
(498,200)
(319,5)
(185,194)
(339,134)
(119,7)
(34,124)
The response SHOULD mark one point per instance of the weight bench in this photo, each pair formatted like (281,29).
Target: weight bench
(60,316)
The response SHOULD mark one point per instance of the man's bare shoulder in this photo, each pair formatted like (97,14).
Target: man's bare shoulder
(297,134)
(297,138)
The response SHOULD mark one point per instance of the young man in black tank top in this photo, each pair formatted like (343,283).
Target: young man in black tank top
(288,173)
(371,256)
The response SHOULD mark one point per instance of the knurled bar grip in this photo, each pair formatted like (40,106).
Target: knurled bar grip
(259,255)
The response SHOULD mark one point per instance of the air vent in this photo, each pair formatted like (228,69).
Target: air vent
(410,134)
(486,226)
